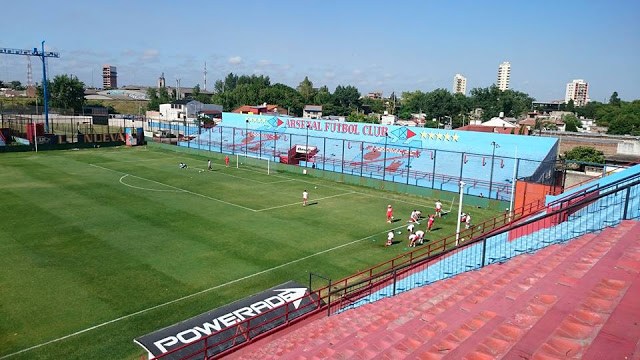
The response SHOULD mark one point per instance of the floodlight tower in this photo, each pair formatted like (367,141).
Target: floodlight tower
(42,55)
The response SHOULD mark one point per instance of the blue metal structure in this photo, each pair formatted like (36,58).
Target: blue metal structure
(42,55)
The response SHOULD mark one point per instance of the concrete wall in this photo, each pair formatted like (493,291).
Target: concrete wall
(610,145)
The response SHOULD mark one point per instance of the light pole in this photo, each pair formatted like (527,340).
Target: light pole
(513,183)
(246,136)
(306,150)
(384,164)
(462,184)
(493,156)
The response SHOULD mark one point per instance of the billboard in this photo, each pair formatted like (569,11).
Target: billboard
(220,329)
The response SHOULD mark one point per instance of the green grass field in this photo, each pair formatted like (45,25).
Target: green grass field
(95,242)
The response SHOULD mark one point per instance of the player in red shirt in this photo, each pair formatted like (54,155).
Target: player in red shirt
(226,160)
(432,219)
(389,214)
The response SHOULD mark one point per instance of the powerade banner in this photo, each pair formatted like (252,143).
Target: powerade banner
(229,319)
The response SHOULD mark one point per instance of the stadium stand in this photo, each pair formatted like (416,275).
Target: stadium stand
(574,300)
(433,158)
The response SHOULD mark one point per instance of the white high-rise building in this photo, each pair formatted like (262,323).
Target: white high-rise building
(578,91)
(504,74)
(460,84)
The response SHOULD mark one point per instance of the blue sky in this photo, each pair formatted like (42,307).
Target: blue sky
(374,45)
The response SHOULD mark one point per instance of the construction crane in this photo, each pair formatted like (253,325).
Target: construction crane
(42,55)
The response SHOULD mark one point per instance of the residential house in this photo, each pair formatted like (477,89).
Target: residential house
(312,111)
(261,109)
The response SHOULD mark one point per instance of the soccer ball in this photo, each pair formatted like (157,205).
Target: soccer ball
(399,232)
(315,187)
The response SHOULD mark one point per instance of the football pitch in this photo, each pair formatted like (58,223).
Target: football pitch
(99,246)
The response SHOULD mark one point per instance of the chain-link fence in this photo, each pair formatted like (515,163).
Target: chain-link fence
(484,175)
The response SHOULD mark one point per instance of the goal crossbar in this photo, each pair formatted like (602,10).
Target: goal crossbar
(253,160)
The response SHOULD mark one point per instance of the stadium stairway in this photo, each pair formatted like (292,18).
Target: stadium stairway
(568,300)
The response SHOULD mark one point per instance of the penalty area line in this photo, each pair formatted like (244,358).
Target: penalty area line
(174,187)
(192,295)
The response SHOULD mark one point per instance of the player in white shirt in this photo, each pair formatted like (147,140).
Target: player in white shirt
(415,217)
(410,228)
(305,198)
(439,208)
(420,236)
(390,238)
(412,240)
(467,221)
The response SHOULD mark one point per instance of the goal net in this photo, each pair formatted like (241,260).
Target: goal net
(253,161)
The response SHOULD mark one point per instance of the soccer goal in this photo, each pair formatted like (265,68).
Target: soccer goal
(253,161)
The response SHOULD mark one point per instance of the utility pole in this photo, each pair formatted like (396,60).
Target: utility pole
(205,76)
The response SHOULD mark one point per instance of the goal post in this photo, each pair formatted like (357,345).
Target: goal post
(253,161)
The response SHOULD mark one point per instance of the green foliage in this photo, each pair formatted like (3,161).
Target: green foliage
(405,113)
(614,100)
(157,97)
(16,85)
(345,99)
(586,154)
(571,123)
(373,105)
(570,106)
(305,88)
(493,101)
(360,117)
(65,92)
(284,96)
(627,120)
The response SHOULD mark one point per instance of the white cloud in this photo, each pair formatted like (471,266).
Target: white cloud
(149,55)
(330,74)
(234,60)
(264,63)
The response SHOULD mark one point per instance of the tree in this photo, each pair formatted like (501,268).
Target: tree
(306,90)
(493,101)
(154,102)
(571,123)
(614,100)
(229,82)
(16,85)
(324,98)
(65,92)
(570,106)
(360,117)
(346,99)
(284,96)
(585,154)
(373,105)
(218,86)
(405,114)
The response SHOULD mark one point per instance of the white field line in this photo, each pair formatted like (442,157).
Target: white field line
(194,294)
(300,202)
(142,188)
(213,164)
(177,188)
